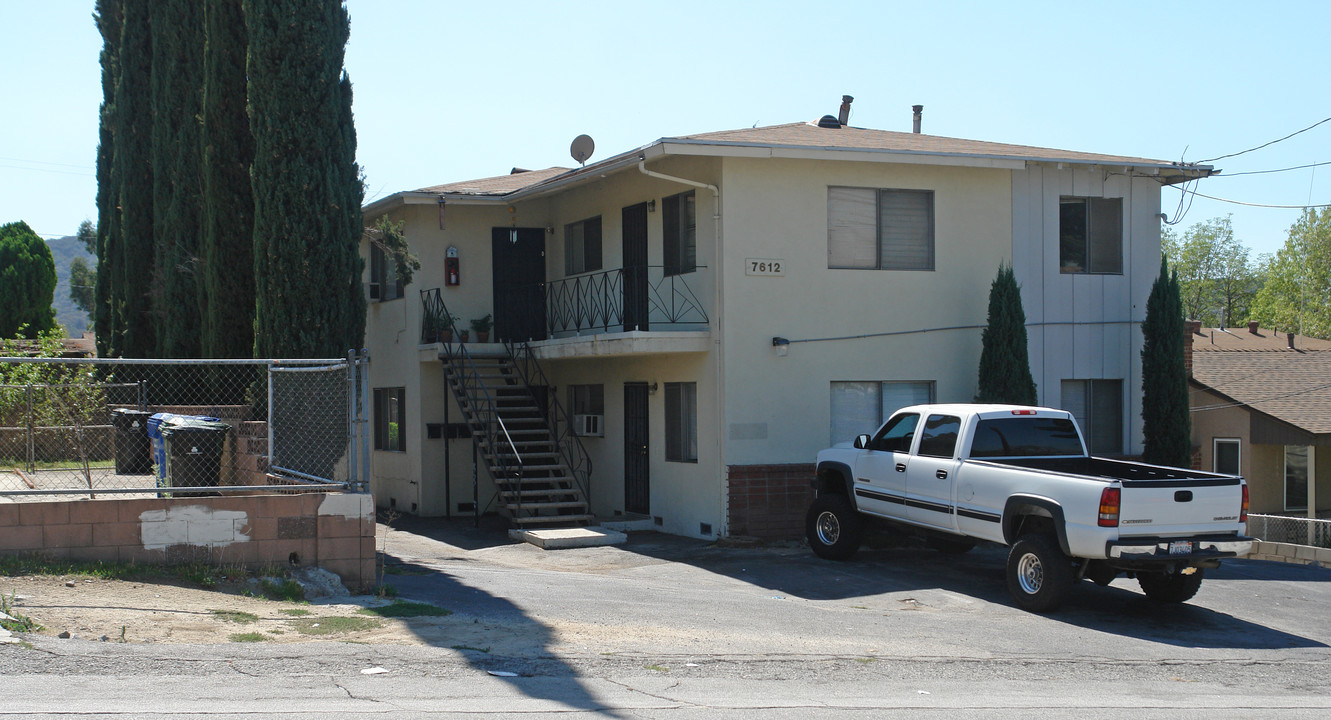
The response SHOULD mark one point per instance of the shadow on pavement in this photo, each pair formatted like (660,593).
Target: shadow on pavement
(423,583)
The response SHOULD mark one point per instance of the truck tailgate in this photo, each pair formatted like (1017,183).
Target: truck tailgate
(1180,507)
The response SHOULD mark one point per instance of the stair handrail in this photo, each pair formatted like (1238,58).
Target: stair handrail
(572,450)
(459,360)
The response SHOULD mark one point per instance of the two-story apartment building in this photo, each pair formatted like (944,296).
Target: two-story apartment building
(710,310)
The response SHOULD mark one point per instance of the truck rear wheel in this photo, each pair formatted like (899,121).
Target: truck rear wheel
(832,527)
(1039,575)
(1170,587)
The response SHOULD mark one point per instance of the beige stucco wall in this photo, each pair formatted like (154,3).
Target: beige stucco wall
(777,209)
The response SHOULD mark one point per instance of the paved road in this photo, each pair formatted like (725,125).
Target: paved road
(672,628)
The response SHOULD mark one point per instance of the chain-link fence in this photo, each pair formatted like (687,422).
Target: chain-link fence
(80,427)
(1295,530)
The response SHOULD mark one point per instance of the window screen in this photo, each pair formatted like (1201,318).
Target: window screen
(1090,235)
(1296,477)
(1098,407)
(582,246)
(861,407)
(681,401)
(880,229)
(680,233)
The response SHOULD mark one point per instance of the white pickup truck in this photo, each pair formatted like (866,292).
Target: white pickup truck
(1021,476)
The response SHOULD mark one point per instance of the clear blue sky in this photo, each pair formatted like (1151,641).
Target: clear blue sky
(448,91)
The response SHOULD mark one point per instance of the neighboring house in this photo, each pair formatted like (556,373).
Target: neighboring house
(1261,408)
(713,309)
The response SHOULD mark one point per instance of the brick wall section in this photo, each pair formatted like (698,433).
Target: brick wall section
(334,531)
(769,501)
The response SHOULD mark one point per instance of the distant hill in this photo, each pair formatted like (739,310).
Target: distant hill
(64,250)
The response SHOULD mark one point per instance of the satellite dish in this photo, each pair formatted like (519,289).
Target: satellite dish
(582,148)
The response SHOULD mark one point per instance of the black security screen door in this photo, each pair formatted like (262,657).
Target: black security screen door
(635,267)
(637,489)
(519,283)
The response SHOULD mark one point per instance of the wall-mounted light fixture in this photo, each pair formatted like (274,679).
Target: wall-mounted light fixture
(651,205)
(651,389)
(782,346)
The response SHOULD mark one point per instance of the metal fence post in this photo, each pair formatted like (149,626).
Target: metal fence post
(364,417)
(32,449)
(271,459)
(352,468)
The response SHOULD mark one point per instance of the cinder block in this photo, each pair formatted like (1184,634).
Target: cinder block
(66,536)
(97,553)
(43,513)
(1322,556)
(113,534)
(296,528)
(20,537)
(338,548)
(1305,553)
(94,512)
(332,526)
(8,514)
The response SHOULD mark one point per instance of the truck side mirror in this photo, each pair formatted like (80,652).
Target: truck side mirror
(861,441)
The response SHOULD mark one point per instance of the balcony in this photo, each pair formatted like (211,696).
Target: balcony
(622,300)
(630,310)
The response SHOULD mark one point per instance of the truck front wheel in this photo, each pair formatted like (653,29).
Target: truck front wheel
(1039,575)
(832,527)
(1170,587)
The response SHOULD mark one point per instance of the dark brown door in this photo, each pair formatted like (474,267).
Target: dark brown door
(518,257)
(637,488)
(635,267)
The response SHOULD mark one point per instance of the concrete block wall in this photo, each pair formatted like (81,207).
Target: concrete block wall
(1291,553)
(769,501)
(334,531)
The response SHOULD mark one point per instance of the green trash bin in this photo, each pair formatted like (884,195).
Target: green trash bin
(193,451)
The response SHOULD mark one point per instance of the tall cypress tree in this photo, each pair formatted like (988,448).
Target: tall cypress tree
(132,179)
(177,99)
(227,241)
(1166,419)
(107,15)
(307,189)
(1005,368)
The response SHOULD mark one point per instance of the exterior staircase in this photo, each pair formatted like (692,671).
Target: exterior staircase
(541,473)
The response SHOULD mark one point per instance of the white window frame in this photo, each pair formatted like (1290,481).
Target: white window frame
(1284,479)
(1238,454)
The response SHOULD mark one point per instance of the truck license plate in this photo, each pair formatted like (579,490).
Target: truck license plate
(1180,547)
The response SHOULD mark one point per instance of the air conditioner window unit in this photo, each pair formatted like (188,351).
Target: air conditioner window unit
(589,425)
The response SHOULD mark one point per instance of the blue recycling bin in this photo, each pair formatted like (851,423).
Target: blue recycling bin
(159,442)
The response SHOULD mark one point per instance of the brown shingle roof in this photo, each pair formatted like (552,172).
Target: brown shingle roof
(500,185)
(853,138)
(1260,371)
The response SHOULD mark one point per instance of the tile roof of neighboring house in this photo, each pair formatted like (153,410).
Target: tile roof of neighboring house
(500,185)
(1261,371)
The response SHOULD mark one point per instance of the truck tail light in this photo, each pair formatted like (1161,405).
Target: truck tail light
(1109,501)
(1023,412)
(1243,509)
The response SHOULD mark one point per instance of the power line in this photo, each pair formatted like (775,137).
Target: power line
(48,170)
(1273,142)
(1263,172)
(1248,204)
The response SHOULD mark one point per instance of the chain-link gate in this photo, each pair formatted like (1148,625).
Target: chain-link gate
(80,427)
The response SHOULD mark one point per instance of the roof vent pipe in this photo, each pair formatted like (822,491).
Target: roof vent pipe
(1252,326)
(844,115)
(1290,338)
(919,111)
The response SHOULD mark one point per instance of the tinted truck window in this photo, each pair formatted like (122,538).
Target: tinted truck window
(1025,437)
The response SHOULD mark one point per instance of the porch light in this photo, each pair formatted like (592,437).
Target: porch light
(782,346)
(513,235)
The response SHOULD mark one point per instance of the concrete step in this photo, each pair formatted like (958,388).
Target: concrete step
(556,538)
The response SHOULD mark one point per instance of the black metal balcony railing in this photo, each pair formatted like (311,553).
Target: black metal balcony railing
(621,300)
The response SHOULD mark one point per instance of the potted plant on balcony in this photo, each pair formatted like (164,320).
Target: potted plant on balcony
(443,328)
(481,326)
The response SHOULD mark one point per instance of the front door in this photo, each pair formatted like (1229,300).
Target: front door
(635,267)
(518,257)
(637,491)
